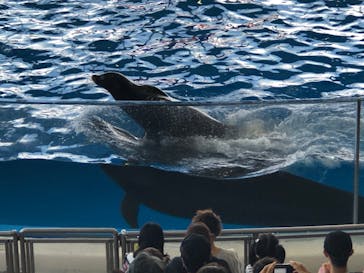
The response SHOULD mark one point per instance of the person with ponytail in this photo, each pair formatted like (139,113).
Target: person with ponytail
(266,245)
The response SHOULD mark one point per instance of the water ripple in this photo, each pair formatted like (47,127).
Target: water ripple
(194,50)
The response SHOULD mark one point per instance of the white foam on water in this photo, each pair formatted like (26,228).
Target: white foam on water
(270,138)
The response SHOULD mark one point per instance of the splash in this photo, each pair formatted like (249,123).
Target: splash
(269,139)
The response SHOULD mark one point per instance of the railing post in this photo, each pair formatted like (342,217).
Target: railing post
(123,243)
(23,259)
(109,257)
(9,257)
(357,164)
(16,252)
(247,243)
(116,253)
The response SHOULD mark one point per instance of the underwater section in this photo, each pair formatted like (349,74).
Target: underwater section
(97,166)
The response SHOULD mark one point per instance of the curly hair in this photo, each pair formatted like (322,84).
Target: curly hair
(210,219)
(199,228)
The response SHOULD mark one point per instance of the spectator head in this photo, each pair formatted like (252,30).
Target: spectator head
(210,219)
(146,263)
(266,245)
(261,263)
(280,254)
(153,252)
(212,268)
(199,228)
(338,247)
(195,252)
(151,235)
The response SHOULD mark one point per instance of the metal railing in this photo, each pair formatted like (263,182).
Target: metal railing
(28,237)
(180,103)
(22,259)
(116,243)
(10,240)
(129,238)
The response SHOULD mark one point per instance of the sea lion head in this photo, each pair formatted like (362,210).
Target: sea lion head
(121,88)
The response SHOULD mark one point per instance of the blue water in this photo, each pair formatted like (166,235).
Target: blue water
(195,51)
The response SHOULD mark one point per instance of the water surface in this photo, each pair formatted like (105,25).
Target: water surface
(194,51)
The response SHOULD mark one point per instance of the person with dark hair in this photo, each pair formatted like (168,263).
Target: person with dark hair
(261,263)
(212,268)
(150,235)
(213,222)
(210,219)
(190,244)
(199,228)
(195,252)
(202,229)
(146,262)
(338,247)
(266,245)
(155,252)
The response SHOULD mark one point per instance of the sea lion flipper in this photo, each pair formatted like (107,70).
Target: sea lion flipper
(130,209)
(126,135)
(120,133)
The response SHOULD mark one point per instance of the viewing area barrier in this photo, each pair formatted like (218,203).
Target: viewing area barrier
(242,238)
(9,242)
(21,252)
(21,255)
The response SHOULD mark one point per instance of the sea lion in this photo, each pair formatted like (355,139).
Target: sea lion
(160,121)
(276,199)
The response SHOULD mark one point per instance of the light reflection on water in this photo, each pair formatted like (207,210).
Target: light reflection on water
(207,50)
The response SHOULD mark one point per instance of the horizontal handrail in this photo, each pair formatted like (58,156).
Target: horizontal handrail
(248,234)
(180,103)
(91,235)
(10,233)
(89,232)
(65,240)
(296,229)
(29,236)
(305,229)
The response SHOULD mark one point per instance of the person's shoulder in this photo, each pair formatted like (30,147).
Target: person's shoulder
(176,260)
(232,258)
(228,252)
(174,266)
(221,262)
(214,259)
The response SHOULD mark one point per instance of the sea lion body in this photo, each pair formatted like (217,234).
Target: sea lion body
(160,121)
